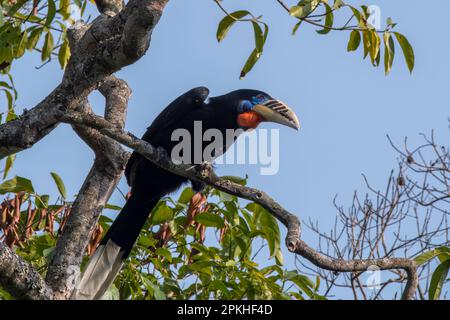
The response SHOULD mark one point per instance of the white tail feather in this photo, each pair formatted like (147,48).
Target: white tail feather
(100,273)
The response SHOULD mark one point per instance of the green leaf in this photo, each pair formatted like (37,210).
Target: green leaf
(186,196)
(260,36)
(112,293)
(15,185)
(209,220)
(225,196)
(42,201)
(249,64)
(227,22)
(374,46)
(297,11)
(329,20)
(438,279)
(64,9)
(22,45)
(5,85)
(366,42)
(297,25)
(34,38)
(164,252)
(389,52)
(390,23)
(354,42)
(50,13)
(303,8)
(12,11)
(356,13)
(279,257)
(64,54)
(304,283)
(407,49)
(59,184)
(10,99)
(113,207)
(220,286)
(269,226)
(161,214)
(154,289)
(8,165)
(48,46)
(338,4)
(48,252)
(427,256)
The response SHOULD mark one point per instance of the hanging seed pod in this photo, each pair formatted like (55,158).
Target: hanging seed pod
(35,7)
(42,219)
(166,234)
(166,238)
(21,195)
(95,239)
(16,216)
(222,234)
(89,249)
(65,216)
(202,234)
(49,223)
(3,215)
(97,236)
(28,223)
(194,204)
(29,228)
(16,235)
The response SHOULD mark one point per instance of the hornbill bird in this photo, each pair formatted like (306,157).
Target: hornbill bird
(241,109)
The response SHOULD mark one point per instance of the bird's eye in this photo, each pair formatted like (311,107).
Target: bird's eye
(245,106)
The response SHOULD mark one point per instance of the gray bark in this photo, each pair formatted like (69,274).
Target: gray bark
(20,278)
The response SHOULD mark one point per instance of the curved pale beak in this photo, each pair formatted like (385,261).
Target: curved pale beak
(277,111)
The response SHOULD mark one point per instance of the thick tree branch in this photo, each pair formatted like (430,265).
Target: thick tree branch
(20,279)
(111,42)
(207,175)
(105,174)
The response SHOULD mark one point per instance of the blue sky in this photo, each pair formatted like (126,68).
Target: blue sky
(346,106)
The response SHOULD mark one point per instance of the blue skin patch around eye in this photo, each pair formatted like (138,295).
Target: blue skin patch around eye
(259,99)
(245,106)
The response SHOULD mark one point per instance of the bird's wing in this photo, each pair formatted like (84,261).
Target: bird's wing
(176,110)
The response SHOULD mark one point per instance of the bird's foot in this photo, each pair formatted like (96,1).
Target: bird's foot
(205,168)
(161,154)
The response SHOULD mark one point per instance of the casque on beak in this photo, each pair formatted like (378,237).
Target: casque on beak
(276,111)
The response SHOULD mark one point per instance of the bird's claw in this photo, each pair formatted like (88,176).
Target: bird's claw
(204,168)
(161,153)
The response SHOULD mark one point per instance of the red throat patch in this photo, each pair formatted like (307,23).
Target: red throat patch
(249,119)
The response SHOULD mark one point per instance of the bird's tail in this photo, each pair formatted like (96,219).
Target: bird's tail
(115,247)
